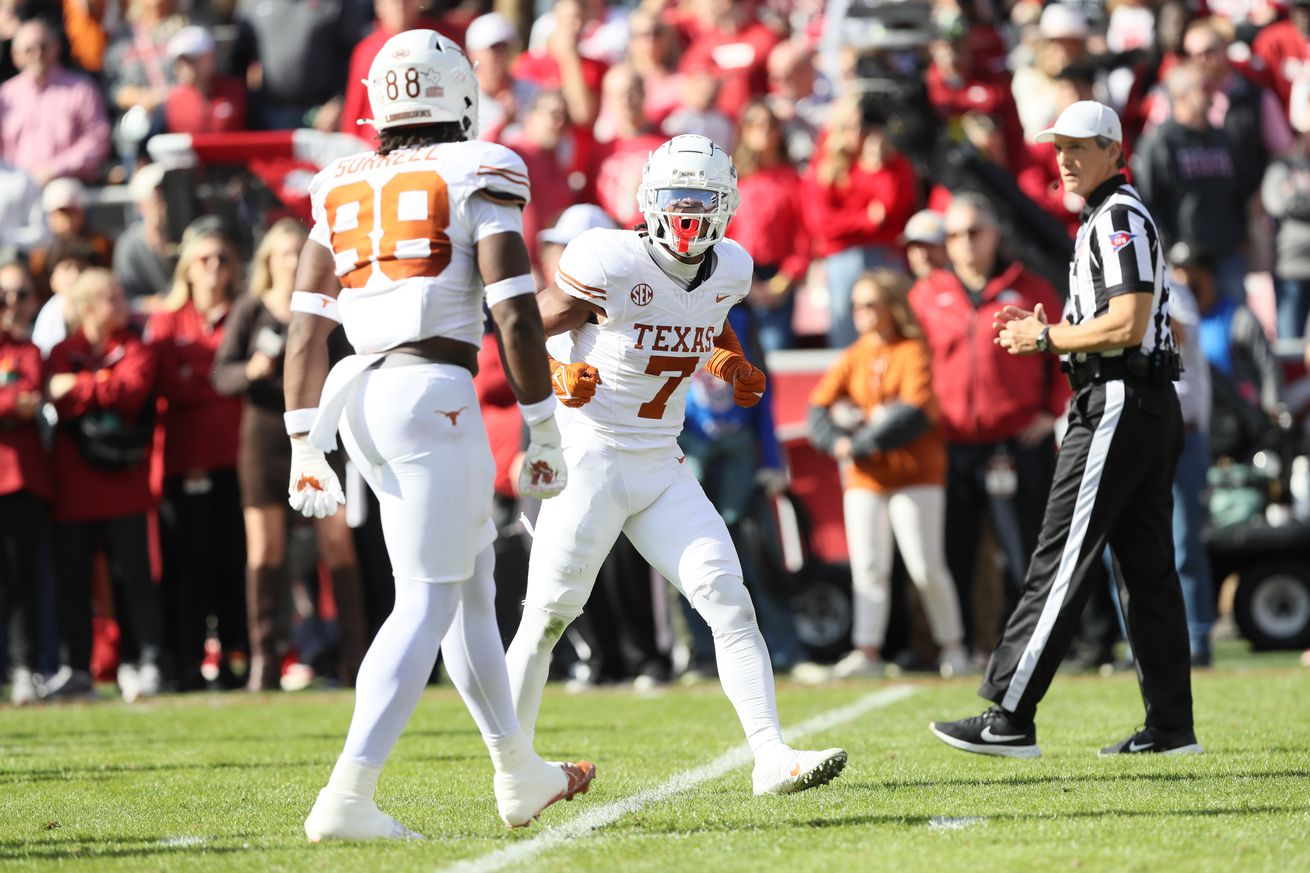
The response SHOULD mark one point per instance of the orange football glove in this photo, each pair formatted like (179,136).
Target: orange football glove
(574,384)
(747,384)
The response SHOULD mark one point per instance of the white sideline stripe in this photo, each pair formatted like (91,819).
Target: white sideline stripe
(597,818)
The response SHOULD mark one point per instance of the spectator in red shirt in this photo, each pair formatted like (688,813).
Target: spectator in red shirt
(735,45)
(393,17)
(653,52)
(957,86)
(771,224)
(860,192)
(560,65)
(493,45)
(25,486)
(202,101)
(200,519)
(102,384)
(1284,48)
(619,161)
(548,148)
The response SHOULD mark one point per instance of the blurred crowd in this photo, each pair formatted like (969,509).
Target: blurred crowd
(892,192)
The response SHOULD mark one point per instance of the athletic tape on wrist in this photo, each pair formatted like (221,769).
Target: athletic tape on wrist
(313,303)
(535,413)
(299,420)
(516,286)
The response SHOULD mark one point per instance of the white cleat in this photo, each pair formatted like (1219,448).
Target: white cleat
(795,770)
(521,797)
(338,816)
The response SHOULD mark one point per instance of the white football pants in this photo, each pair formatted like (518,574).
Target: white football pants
(651,496)
(917,517)
(416,435)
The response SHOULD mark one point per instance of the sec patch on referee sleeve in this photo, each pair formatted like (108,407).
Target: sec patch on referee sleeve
(1120,239)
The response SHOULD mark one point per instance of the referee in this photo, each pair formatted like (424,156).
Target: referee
(1115,471)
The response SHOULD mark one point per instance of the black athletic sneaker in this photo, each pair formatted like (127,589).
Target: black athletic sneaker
(1180,742)
(995,732)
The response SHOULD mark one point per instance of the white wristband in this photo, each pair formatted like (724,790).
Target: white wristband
(515,286)
(535,413)
(299,420)
(312,303)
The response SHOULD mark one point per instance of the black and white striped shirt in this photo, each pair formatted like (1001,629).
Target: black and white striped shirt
(1118,251)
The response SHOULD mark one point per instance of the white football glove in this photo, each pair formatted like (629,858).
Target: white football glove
(543,474)
(315,491)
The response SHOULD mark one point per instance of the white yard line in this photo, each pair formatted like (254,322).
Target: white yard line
(600,816)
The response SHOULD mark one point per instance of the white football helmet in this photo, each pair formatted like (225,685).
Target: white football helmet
(688,193)
(421,77)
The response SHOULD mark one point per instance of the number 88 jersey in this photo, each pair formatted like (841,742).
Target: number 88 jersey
(654,336)
(402,229)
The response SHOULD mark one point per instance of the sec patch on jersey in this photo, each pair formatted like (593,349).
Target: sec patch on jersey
(641,294)
(1120,239)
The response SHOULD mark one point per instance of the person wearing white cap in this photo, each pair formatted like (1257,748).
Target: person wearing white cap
(925,243)
(493,44)
(1062,42)
(202,101)
(143,256)
(571,224)
(1114,478)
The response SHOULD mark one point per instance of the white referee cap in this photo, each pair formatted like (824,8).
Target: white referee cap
(1083,120)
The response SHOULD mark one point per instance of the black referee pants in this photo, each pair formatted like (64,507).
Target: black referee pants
(1113,485)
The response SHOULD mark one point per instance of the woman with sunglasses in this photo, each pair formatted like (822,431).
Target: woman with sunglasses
(249,365)
(25,486)
(875,412)
(200,516)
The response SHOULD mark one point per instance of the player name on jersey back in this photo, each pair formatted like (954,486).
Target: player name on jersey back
(654,336)
(403,230)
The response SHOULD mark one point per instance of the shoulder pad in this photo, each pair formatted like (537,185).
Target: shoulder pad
(495,171)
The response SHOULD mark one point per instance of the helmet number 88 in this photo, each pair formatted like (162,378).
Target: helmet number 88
(409,84)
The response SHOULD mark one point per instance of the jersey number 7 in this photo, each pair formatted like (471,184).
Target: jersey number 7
(681,366)
(409,215)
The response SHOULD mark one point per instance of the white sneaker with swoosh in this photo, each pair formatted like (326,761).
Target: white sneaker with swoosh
(994,732)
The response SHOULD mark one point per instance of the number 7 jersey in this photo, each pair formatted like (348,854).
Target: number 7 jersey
(654,336)
(402,229)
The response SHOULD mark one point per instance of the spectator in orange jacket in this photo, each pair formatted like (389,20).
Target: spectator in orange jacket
(998,411)
(102,384)
(200,519)
(25,486)
(860,191)
(894,465)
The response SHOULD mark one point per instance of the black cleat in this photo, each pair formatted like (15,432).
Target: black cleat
(995,732)
(1179,742)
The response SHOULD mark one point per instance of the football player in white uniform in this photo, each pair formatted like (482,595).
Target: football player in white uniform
(404,241)
(632,316)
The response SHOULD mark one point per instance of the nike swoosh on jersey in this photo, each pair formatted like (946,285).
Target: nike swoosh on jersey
(990,737)
(719,298)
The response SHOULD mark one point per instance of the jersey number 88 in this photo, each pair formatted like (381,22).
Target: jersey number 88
(412,212)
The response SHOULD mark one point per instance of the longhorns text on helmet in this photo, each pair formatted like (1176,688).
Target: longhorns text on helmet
(421,77)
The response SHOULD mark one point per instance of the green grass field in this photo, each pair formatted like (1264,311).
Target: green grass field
(224,782)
